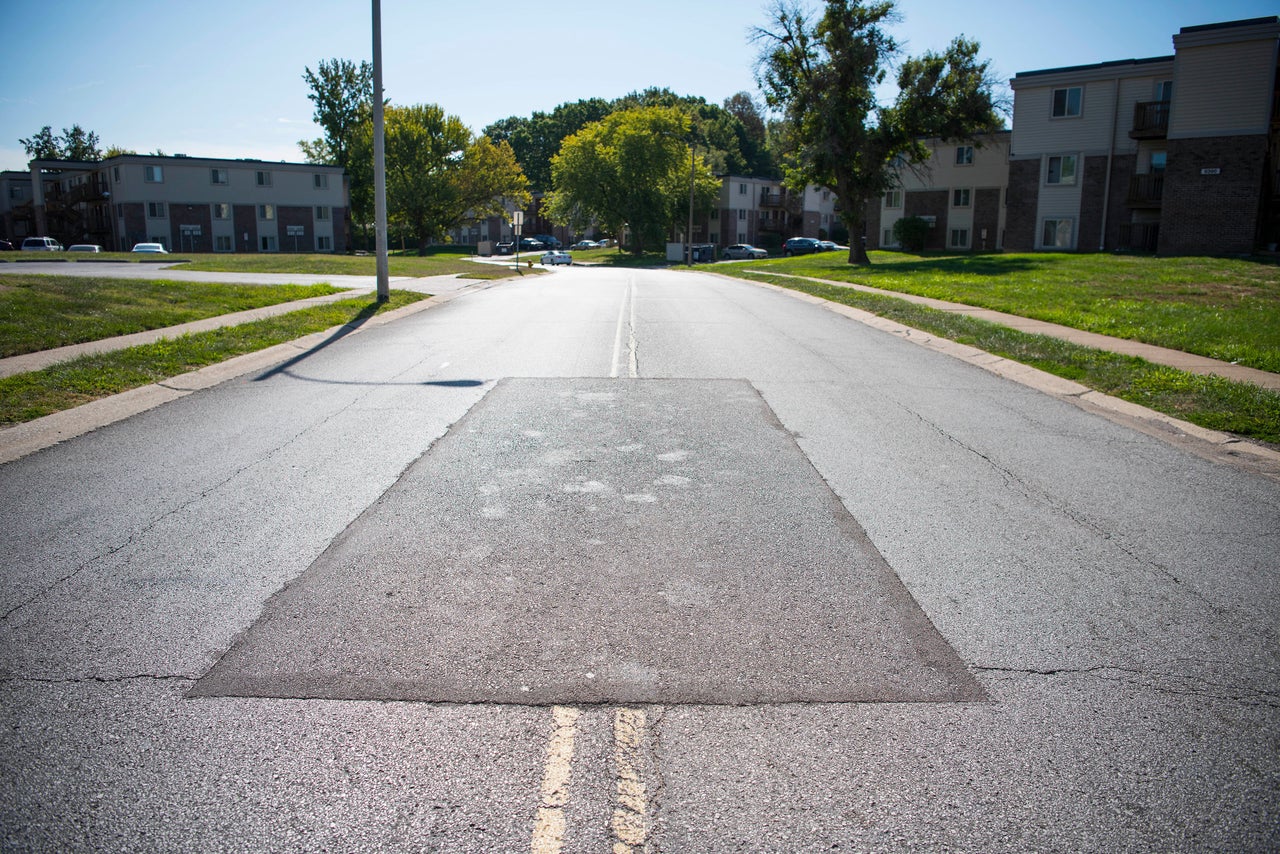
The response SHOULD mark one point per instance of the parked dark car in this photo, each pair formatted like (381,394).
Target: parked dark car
(800,246)
(548,241)
(6,246)
(528,244)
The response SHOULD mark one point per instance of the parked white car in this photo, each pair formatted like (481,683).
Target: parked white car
(41,244)
(84,247)
(150,247)
(556,257)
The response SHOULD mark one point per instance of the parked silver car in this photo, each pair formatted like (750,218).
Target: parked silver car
(742,251)
(41,244)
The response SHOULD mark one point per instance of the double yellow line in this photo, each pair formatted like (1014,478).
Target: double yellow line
(630,823)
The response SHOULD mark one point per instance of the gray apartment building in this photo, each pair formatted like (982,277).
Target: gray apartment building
(192,204)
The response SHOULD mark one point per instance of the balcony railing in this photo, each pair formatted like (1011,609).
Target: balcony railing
(1150,120)
(772,200)
(1146,190)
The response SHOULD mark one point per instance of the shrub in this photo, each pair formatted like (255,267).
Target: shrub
(911,232)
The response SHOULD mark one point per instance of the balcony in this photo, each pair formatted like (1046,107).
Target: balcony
(1150,120)
(772,200)
(1146,191)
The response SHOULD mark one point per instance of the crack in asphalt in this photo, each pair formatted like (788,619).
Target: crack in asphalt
(1146,678)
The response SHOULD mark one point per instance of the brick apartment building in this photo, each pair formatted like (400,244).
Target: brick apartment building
(194,204)
(959,190)
(1174,154)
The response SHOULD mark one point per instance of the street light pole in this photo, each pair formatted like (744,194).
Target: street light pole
(692,149)
(379,161)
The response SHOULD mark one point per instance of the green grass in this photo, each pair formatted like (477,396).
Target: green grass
(43,312)
(1227,309)
(26,396)
(441,262)
(1212,402)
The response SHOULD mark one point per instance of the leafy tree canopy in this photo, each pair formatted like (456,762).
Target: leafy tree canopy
(630,169)
(822,77)
(438,174)
(75,143)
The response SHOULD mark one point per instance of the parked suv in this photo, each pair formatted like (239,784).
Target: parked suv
(41,244)
(800,246)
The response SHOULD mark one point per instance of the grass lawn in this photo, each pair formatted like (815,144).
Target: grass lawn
(1226,309)
(26,396)
(43,312)
(439,263)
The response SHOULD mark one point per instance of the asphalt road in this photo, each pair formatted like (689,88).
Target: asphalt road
(647,561)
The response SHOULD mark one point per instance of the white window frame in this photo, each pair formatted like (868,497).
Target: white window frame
(216,173)
(742,189)
(153,207)
(222,243)
(266,212)
(262,178)
(742,215)
(893,199)
(958,239)
(1063,227)
(323,213)
(320,181)
(964,155)
(1066,112)
(324,243)
(1063,180)
(268,243)
(221,206)
(153,174)
(962,197)
(888,238)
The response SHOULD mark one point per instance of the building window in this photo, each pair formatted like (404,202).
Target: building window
(320,182)
(324,244)
(959,238)
(1164,91)
(262,179)
(893,199)
(960,197)
(826,195)
(964,155)
(1056,234)
(221,210)
(1066,102)
(888,237)
(115,171)
(322,214)
(266,211)
(153,174)
(1159,160)
(268,243)
(219,176)
(742,189)
(1062,169)
(159,238)
(742,237)
(715,213)
(155,210)
(16,192)
(742,213)
(222,243)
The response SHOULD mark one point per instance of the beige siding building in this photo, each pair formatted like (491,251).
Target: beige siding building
(959,190)
(1173,154)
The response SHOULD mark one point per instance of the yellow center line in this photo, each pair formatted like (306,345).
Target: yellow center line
(549,826)
(630,824)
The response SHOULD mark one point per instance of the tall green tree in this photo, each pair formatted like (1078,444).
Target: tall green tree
(75,143)
(536,140)
(631,169)
(342,94)
(822,75)
(439,176)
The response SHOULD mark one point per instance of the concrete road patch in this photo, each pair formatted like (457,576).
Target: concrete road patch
(601,541)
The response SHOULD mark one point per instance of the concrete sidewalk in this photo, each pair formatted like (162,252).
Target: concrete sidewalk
(1188,362)
(434,285)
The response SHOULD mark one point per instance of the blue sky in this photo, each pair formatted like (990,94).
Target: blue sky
(225,79)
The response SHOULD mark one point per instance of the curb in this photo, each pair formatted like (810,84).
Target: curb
(22,439)
(1212,445)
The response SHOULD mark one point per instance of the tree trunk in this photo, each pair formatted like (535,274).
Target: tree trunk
(856,224)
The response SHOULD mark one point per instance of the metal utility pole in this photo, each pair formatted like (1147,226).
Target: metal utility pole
(379,161)
(691,156)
